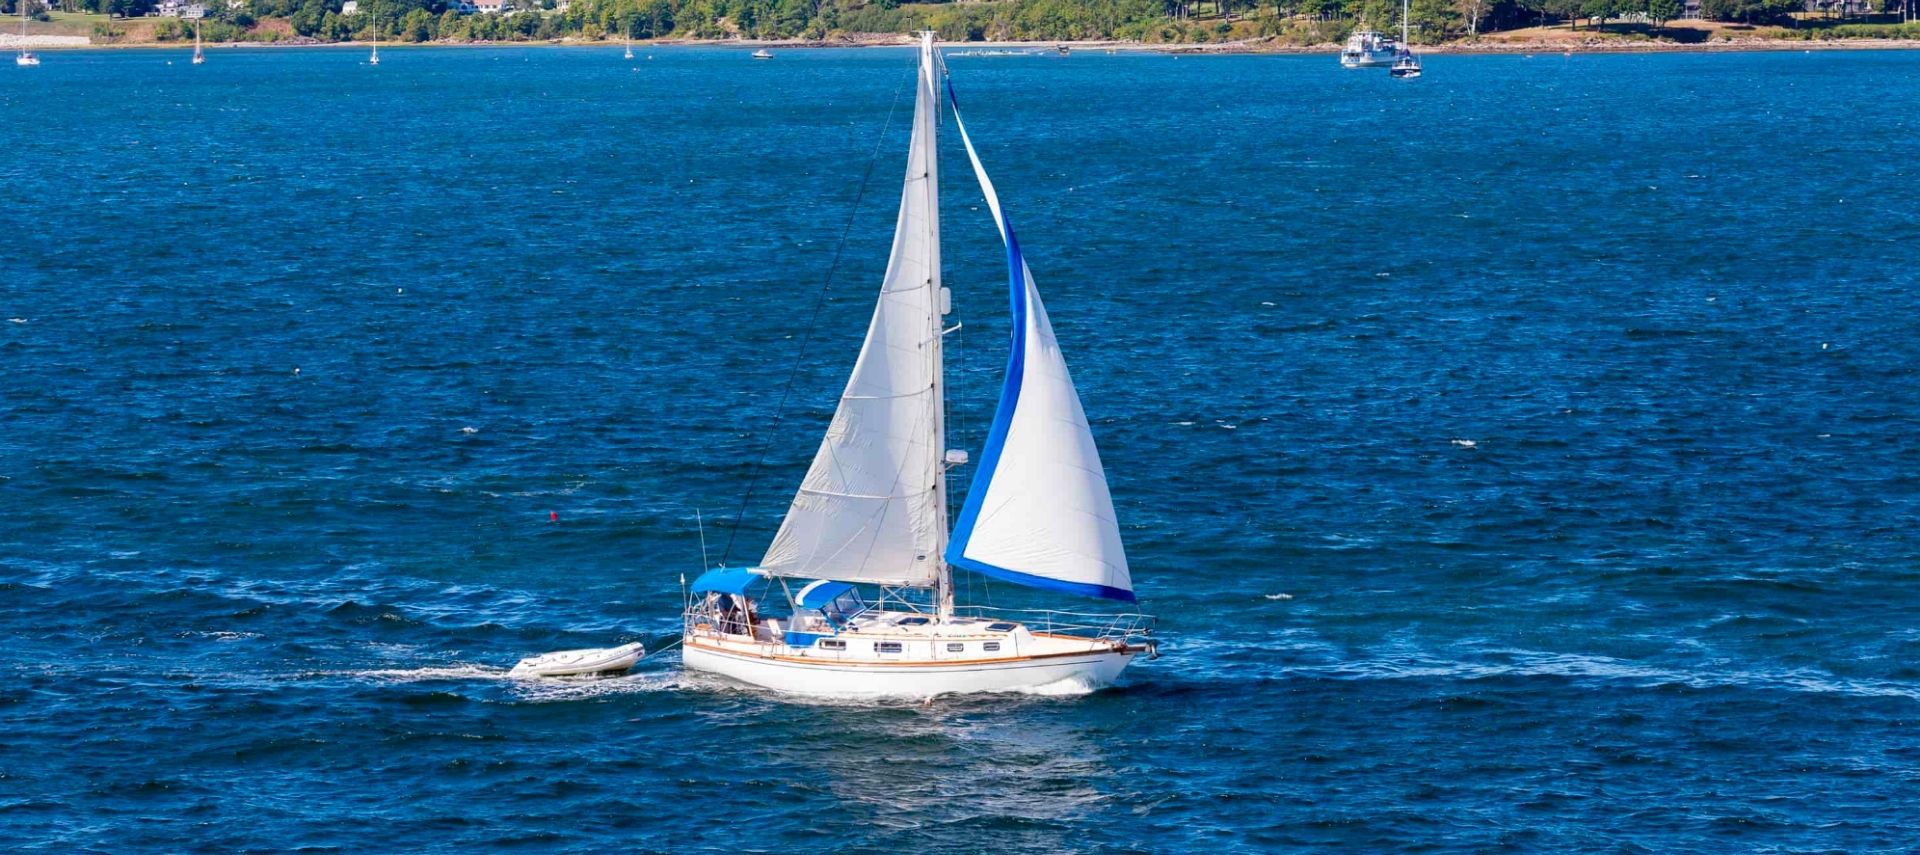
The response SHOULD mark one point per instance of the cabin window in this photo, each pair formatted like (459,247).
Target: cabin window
(830,644)
(1001,627)
(954,647)
(886,647)
(990,646)
(913,621)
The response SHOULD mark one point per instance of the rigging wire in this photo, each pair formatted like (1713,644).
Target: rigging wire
(813,321)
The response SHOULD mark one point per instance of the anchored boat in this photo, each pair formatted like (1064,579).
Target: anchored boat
(25,58)
(1406,66)
(864,558)
(1368,49)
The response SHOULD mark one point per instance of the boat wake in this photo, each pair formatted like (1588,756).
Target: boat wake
(530,689)
(1068,688)
(419,675)
(555,689)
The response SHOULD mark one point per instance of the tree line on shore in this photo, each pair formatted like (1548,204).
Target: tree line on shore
(1152,21)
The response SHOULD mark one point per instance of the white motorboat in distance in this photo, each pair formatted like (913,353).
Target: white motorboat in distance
(865,556)
(1368,49)
(762,53)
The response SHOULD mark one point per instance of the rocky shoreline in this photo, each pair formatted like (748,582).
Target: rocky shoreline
(1252,46)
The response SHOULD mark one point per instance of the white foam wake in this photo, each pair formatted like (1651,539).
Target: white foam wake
(1071,687)
(416,675)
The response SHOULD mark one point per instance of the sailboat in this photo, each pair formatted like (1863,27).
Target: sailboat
(375,58)
(26,57)
(629,47)
(1406,66)
(865,557)
(198,57)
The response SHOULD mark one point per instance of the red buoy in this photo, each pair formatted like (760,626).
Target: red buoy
(553,516)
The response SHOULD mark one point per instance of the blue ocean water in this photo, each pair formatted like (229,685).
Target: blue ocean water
(1523,458)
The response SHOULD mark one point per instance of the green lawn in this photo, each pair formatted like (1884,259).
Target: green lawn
(65,24)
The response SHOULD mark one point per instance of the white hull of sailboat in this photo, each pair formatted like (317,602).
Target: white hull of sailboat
(26,60)
(872,509)
(1065,673)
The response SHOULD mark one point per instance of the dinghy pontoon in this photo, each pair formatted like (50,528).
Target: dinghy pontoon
(592,662)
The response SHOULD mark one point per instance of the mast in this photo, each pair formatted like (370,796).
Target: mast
(1405,42)
(930,79)
(872,507)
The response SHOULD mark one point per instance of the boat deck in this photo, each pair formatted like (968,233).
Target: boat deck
(900,637)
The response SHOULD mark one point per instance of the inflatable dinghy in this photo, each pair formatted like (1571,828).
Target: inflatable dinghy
(595,662)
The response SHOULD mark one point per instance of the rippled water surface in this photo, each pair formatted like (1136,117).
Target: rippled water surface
(1527,457)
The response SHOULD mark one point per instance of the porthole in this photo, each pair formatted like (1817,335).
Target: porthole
(830,644)
(955,647)
(886,647)
(990,646)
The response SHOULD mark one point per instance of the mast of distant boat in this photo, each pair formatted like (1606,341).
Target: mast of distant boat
(198,57)
(26,57)
(375,59)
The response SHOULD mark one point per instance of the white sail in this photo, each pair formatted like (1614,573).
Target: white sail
(1039,512)
(871,507)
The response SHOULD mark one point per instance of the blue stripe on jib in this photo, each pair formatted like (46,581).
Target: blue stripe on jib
(1003,421)
(997,441)
(1003,413)
(1085,589)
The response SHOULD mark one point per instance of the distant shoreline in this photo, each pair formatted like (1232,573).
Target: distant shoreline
(1464,48)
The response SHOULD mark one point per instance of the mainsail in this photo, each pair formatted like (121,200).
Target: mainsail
(872,507)
(1038,512)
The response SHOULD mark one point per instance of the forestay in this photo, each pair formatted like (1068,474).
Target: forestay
(1038,512)
(870,508)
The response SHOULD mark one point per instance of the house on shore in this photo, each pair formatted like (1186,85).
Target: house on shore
(1690,9)
(180,9)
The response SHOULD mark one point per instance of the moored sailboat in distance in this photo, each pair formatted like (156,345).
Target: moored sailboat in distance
(1406,66)
(872,512)
(26,57)
(629,47)
(375,58)
(199,58)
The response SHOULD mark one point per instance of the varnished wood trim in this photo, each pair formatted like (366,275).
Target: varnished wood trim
(917,663)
